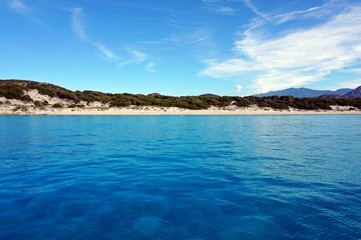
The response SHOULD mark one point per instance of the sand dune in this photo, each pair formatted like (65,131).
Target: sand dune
(17,107)
(133,110)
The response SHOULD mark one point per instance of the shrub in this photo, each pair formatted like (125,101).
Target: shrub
(76,106)
(281,106)
(26,98)
(45,90)
(66,95)
(57,105)
(37,103)
(242,102)
(12,91)
(120,102)
(16,109)
(263,104)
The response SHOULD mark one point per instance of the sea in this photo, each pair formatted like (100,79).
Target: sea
(180,177)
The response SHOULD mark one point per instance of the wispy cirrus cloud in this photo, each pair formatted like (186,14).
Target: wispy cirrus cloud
(328,8)
(219,6)
(151,67)
(78,27)
(18,6)
(77,23)
(227,10)
(296,57)
(192,37)
(331,7)
(105,51)
(350,84)
(138,57)
(254,9)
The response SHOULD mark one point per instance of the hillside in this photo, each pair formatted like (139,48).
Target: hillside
(21,94)
(356,93)
(304,92)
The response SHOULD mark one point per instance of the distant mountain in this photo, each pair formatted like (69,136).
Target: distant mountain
(208,95)
(332,96)
(343,91)
(356,93)
(303,92)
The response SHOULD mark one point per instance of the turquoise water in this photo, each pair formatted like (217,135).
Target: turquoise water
(180,177)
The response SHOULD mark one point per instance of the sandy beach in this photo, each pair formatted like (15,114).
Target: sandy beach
(17,107)
(134,110)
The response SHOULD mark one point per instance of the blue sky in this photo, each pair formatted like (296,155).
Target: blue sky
(191,47)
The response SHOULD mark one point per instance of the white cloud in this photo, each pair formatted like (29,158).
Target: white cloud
(138,56)
(105,51)
(227,10)
(209,1)
(151,67)
(78,28)
(228,68)
(281,18)
(326,9)
(196,36)
(298,57)
(254,9)
(239,88)
(351,84)
(77,23)
(196,40)
(18,6)
(219,6)
(329,8)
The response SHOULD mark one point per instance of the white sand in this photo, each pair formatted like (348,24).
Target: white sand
(16,107)
(11,110)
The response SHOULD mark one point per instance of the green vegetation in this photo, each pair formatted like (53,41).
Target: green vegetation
(22,109)
(12,91)
(16,89)
(26,98)
(38,103)
(76,106)
(57,105)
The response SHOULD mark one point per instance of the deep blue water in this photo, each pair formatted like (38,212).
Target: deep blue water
(180,177)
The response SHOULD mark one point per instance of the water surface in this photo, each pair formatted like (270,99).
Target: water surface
(180,177)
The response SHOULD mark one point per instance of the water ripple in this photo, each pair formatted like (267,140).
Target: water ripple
(171,177)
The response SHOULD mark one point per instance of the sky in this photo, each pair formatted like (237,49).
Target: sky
(190,47)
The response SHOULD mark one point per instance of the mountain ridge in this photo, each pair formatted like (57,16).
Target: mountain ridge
(304,92)
(356,93)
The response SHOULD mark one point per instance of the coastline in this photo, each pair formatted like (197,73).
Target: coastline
(139,111)
(69,108)
(39,104)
